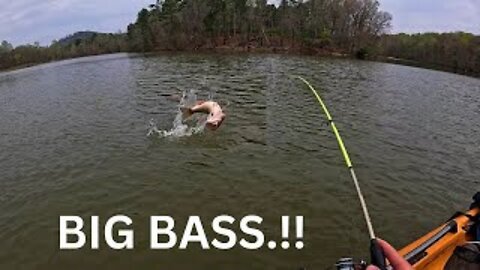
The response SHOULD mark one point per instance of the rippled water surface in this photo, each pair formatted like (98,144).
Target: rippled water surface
(73,142)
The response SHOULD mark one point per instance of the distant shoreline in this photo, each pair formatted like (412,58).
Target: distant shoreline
(215,50)
(413,63)
(265,50)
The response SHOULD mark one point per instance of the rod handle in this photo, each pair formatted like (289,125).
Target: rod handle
(376,255)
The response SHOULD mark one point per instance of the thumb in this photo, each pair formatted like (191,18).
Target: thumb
(372,267)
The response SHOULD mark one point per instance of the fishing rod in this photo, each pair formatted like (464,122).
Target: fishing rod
(376,253)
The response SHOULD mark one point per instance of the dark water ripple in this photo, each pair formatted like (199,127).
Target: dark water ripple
(73,142)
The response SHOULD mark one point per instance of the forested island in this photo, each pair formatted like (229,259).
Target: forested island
(355,28)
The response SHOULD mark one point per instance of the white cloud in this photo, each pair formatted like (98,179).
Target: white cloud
(434,15)
(27,21)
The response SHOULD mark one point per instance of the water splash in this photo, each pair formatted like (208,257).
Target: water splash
(181,126)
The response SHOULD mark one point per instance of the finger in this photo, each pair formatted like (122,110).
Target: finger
(397,261)
(372,267)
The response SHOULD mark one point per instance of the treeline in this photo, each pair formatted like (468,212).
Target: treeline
(457,52)
(353,27)
(31,54)
(350,26)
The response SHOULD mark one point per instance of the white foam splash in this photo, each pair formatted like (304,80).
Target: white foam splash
(180,126)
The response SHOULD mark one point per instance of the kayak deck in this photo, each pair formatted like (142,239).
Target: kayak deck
(433,250)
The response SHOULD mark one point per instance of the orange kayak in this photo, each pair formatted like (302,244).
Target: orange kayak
(446,246)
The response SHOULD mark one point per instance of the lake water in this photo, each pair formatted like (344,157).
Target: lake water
(73,142)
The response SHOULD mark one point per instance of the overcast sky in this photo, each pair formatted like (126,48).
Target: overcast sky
(413,16)
(27,21)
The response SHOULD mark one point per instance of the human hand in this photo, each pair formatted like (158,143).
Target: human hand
(396,261)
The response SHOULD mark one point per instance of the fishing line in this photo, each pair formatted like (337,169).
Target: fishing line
(376,253)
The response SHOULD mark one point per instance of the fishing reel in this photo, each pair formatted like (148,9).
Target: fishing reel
(350,264)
